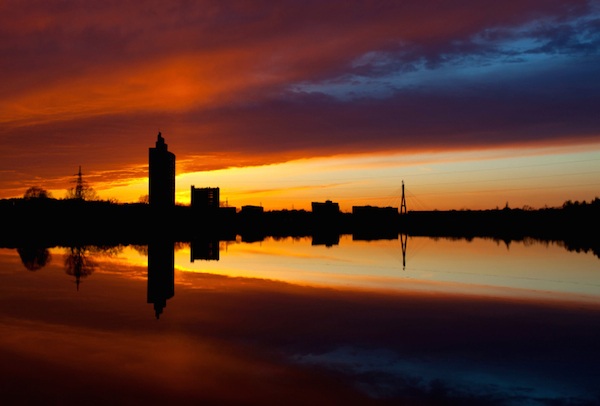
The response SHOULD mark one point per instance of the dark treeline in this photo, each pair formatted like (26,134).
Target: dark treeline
(574,225)
(51,222)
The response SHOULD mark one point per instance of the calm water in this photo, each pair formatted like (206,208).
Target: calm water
(288,322)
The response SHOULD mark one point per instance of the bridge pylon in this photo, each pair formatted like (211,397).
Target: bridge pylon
(403,203)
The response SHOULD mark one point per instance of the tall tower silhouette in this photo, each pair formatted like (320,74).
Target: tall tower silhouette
(162,175)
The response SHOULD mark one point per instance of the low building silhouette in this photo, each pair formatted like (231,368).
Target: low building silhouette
(374,212)
(161,164)
(252,210)
(326,209)
(205,199)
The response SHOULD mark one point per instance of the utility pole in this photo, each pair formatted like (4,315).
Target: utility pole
(403,203)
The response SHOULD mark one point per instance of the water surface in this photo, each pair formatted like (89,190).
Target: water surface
(284,321)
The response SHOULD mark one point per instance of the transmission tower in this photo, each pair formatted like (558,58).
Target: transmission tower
(80,185)
(403,203)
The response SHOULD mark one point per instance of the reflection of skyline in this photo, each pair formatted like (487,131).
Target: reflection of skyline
(161,274)
(205,249)
(431,256)
(316,345)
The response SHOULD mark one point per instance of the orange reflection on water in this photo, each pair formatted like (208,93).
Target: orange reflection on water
(479,266)
(252,340)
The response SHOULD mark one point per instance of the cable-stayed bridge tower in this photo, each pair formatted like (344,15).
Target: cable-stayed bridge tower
(403,202)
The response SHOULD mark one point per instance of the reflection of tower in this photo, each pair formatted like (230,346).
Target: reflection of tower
(403,242)
(78,264)
(162,175)
(403,203)
(161,274)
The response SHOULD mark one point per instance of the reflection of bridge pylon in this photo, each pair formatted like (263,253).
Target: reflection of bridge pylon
(403,242)
(403,202)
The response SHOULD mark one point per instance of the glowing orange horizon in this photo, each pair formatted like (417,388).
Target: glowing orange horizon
(457,180)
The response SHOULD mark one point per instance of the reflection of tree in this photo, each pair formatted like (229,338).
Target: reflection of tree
(34,258)
(78,263)
(181,245)
(106,250)
(141,249)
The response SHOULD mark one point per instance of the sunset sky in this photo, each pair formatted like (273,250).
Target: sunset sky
(472,103)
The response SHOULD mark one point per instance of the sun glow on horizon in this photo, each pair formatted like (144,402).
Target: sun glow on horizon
(454,180)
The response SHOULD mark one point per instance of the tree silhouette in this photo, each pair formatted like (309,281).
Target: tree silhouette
(81,191)
(78,261)
(34,258)
(35,192)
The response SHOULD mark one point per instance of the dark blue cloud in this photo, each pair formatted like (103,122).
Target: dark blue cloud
(571,35)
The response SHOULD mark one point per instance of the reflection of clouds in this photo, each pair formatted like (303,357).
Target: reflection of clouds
(427,345)
(381,373)
(291,254)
